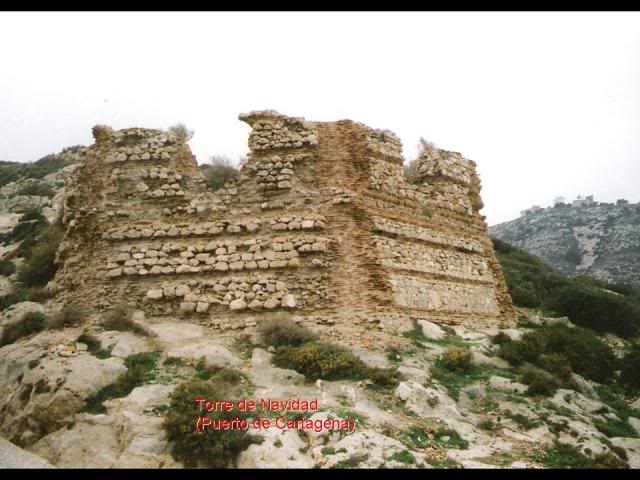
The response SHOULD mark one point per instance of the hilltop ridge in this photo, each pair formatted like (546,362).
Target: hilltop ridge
(587,237)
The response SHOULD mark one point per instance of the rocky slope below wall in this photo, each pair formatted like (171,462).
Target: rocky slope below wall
(597,239)
(433,418)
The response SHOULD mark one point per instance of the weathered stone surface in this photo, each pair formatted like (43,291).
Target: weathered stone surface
(213,355)
(18,310)
(56,389)
(123,344)
(374,449)
(270,451)
(430,401)
(264,374)
(12,456)
(431,330)
(507,385)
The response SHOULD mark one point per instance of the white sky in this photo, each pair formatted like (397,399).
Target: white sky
(547,104)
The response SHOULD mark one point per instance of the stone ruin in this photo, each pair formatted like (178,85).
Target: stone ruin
(320,225)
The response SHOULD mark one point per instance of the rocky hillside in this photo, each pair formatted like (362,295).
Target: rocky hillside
(598,239)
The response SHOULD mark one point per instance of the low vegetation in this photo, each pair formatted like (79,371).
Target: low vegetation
(630,373)
(69,316)
(28,324)
(562,455)
(457,359)
(297,348)
(39,266)
(540,382)
(37,189)
(29,226)
(120,318)
(208,448)
(219,171)
(587,302)
(181,131)
(7,267)
(139,368)
(550,347)
(22,294)
(12,171)
(284,332)
(321,360)
(92,343)
(411,173)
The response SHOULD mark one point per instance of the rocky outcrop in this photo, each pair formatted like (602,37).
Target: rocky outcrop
(586,237)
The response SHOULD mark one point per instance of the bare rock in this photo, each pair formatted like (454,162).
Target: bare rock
(12,456)
(279,449)
(214,355)
(368,449)
(507,385)
(432,330)
(432,401)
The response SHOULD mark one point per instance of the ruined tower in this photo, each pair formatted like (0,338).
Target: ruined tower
(321,225)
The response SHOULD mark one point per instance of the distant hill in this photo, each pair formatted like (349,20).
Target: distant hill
(14,171)
(601,240)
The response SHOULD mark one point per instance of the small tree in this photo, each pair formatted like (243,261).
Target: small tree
(181,131)
(425,146)
(411,173)
(218,171)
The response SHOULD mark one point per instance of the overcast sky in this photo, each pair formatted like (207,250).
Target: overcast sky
(547,104)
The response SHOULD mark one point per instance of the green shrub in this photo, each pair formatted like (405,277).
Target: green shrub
(616,428)
(599,310)
(30,322)
(487,424)
(181,131)
(540,382)
(69,316)
(404,456)
(174,361)
(120,318)
(138,366)
(209,448)
(562,455)
(219,171)
(243,344)
(527,349)
(450,439)
(534,284)
(12,171)
(384,377)
(38,189)
(556,363)
(321,360)
(7,267)
(630,374)
(92,343)
(501,338)
(21,294)
(521,420)
(394,354)
(284,332)
(39,267)
(457,359)
(585,353)
(30,225)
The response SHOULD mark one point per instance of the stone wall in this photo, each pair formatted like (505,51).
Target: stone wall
(320,225)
